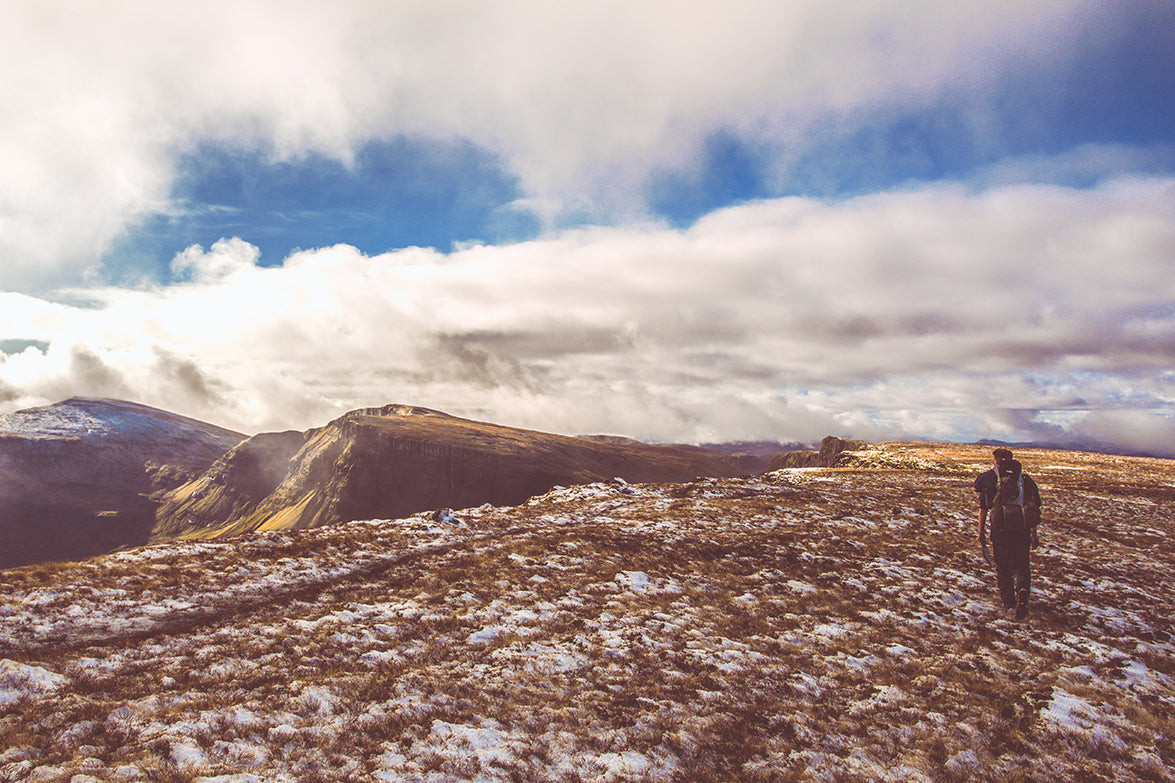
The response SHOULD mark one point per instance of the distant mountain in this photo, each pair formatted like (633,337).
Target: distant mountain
(1087,445)
(758,448)
(754,456)
(398,460)
(751,456)
(76,477)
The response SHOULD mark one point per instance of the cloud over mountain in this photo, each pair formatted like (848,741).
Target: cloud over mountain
(1007,312)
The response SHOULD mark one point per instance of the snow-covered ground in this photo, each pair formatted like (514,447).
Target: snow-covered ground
(811,625)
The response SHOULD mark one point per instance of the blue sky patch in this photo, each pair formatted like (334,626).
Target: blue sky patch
(398,193)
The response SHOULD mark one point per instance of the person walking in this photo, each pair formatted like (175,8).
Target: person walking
(1011,501)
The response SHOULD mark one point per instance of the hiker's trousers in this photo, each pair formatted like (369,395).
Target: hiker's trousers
(1010,549)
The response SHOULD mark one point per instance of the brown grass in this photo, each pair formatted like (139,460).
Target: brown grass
(826,624)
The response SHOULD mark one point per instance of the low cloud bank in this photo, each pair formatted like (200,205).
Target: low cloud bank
(1018,313)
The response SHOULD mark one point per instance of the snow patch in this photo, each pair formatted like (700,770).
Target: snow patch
(830,631)
(188,758)
(634,581)
(485,635)
(488,744)
(617,766)
(20,681)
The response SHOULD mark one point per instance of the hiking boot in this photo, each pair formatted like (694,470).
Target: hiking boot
(1022,609)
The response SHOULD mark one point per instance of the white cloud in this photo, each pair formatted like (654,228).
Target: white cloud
(1143,430)
(582,100)
(226,258)
(28,318)
(930,313)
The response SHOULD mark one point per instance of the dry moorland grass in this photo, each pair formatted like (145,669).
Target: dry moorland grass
(822,624)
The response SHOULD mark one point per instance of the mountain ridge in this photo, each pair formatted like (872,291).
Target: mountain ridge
(399,459)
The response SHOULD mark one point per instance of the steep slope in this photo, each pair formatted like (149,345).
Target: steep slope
(811,625)
(75,477)
(397,460)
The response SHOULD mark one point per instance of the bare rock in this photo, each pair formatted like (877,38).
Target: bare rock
(830,450)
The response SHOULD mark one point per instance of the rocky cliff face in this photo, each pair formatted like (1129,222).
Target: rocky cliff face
(830,450)
(397,460)
(76,477)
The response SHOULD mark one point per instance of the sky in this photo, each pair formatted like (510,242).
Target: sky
(676,221)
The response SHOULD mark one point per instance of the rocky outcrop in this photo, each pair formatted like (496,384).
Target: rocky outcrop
(77,477)
(830,450)
(394,461)
(832,447)
(795,459)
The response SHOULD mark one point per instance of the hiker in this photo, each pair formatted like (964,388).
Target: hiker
(1011,500)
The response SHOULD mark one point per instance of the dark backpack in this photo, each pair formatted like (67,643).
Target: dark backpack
(1008,513)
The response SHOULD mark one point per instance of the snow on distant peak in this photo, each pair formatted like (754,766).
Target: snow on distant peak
(62,419)
(84,416)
